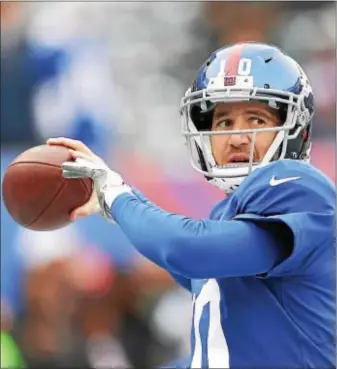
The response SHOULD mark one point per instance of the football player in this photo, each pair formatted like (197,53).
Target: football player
(261,268)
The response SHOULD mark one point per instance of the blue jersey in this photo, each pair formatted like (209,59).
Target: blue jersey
(259,301)
(286,317)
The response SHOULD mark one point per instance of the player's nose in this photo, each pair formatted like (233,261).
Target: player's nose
(239,140)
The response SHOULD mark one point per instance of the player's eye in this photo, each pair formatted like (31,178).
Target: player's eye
(257,121)
(224,124)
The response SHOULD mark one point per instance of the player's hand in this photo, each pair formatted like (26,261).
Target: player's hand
(107,183)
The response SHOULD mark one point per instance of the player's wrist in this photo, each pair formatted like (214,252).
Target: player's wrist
(108,197)
(111,194)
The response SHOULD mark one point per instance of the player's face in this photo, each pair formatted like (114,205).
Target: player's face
(242,115)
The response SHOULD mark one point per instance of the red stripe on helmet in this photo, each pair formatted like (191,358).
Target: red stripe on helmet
(233,59)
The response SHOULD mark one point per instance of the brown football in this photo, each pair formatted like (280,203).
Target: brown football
(35,193)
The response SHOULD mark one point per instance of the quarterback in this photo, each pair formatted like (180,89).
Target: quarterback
(261,268)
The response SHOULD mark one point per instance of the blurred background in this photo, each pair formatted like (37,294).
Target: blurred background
(112,75)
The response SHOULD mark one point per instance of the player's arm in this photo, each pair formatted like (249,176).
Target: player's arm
(196,248)
(279,230)
(208,248)
(183,246)
(184,282)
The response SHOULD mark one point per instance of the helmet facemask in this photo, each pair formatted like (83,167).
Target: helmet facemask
(195,106)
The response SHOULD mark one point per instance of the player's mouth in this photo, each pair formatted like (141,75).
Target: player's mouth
(238,158)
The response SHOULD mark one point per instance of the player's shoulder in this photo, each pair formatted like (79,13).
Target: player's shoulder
(295,174)
(285,184)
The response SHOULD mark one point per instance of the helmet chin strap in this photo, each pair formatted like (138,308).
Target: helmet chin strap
(227,185)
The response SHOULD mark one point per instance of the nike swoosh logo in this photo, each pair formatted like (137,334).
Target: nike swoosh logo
(275,182)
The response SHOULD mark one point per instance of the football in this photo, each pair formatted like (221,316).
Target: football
(36,194)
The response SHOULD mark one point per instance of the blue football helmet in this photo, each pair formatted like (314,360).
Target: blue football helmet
(247,72)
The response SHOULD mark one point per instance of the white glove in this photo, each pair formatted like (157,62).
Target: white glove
(107,183)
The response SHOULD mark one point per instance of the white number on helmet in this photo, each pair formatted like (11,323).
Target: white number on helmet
(244,67)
